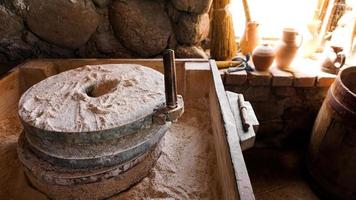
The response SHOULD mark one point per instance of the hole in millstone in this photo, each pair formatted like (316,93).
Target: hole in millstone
(101,88)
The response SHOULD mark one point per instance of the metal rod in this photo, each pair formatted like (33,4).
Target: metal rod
(170,78)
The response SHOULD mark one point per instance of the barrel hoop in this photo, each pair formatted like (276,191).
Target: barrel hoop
(344,95)
(339,111)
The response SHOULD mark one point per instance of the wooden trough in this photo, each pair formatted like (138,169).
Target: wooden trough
(200,84)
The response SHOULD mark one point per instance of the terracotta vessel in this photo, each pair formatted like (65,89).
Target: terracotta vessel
(249,39)
(333,59)
(263,57)
(287,48)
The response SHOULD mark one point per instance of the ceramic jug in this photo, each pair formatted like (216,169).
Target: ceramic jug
(263,57)
(333,59)
(287,48)
(249,39)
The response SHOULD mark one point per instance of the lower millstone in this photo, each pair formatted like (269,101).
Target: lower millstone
(64,183)
(109,153)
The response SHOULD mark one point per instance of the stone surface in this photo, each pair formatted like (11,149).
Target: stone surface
(101,3)
(12,47)
(108,44)
(142,26)
(259,78)
(270,128)
(286,114)
(312,93)
(194,6)
(10,24)
(284,91)
(41,48)
(173,13)
(192,28)
(258,93)
(93,98)
(235,78)
(100,29)
(268,110)
(190,52)
(64,23)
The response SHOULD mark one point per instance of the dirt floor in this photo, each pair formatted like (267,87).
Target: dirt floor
(277,174)
(185,170)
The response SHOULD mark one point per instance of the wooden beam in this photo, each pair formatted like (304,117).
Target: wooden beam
(234,179)
(10,87)
(247,138)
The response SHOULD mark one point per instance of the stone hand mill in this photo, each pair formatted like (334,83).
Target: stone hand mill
(94,131)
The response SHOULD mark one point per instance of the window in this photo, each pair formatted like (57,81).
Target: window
(274,15)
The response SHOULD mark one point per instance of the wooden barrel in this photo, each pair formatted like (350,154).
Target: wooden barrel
(332,149)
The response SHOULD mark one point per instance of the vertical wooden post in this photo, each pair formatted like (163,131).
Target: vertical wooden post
(223,45)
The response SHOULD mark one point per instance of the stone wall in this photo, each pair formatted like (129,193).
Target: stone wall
(101,28)
(286,111)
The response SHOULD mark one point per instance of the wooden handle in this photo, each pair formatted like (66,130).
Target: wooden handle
(227,64)
(243,112)
(247,10)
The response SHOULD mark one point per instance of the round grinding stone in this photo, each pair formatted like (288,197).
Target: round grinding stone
(92,103)
(92,127)
(108,153)
(64,183)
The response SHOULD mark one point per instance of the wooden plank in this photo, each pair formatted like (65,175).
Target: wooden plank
(280,77)
(247,138)
(197,81)
(35,71)
(10,87)
(234,180)
(66,64)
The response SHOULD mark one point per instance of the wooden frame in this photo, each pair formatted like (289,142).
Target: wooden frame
(197,79)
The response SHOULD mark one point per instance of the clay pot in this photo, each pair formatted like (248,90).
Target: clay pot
(263,57)
(249,39)
(287,48)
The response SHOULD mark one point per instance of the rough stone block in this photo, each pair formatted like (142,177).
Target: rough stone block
(237,89)
(280,77)
(270,127)
(315,93)
(258,93)
(268,110)
(195,6)
(67,24)
(183,51)
(192,28)
(284,91)
(236,78)
(142,26)
(259,78)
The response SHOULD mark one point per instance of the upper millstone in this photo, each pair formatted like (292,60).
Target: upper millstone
(93,98)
